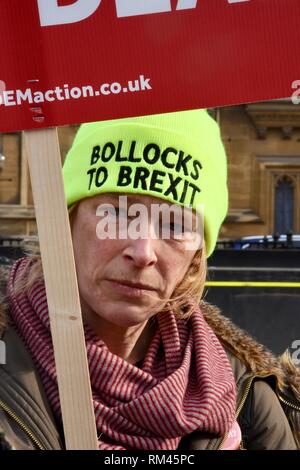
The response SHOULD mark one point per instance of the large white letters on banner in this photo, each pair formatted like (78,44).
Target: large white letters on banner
(51,14)
(186,4)
(146,7)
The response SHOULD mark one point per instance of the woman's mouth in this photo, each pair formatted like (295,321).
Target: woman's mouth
(131,289)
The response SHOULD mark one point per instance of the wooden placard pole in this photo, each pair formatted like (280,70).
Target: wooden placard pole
(62,290)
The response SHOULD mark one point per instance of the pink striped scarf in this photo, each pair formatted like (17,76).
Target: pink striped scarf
(185,383)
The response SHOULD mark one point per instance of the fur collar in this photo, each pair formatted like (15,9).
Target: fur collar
(257,358)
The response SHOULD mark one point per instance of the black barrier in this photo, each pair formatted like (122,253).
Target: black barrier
(260,291)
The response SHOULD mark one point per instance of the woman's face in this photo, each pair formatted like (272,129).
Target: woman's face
(124,280)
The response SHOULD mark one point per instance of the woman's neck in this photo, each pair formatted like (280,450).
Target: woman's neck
(130,343)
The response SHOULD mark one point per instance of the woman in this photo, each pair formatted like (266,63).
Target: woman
(165,372)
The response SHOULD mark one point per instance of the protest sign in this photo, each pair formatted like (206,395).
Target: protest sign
(65,62)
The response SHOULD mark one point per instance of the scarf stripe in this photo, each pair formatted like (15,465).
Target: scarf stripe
(185,383)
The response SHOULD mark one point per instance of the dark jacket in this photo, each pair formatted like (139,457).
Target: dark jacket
(27,422)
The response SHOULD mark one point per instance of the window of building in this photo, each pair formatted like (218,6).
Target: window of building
(284,205)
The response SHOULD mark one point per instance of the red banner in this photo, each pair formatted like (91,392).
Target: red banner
(65,62)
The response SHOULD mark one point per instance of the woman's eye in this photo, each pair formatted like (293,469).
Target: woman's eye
(175,230)
(172,228)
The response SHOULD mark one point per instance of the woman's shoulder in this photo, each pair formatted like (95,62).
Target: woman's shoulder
(264,422)
(4,273)
(266,385)
(22,393)
(7,271)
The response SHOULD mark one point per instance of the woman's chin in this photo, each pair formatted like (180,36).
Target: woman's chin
(119,312)
(128,317)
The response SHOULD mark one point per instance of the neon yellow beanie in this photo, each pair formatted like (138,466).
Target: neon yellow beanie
(178,157)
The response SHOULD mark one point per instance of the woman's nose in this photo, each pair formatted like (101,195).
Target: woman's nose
(142,251)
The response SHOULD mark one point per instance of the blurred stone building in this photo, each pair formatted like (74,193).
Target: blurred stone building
(262,141)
